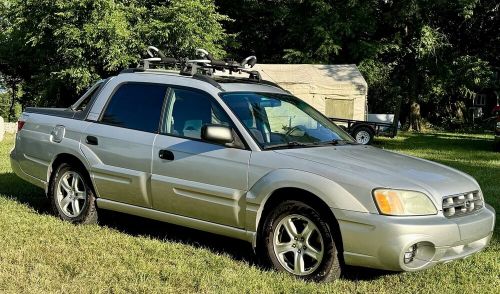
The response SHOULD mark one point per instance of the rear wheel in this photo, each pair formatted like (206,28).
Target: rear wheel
(363,135)
(72,197)
(298,241)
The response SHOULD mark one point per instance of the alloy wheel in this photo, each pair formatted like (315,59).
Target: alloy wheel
(298,245)
(71,194)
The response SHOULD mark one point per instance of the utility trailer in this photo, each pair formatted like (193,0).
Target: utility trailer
(365,131)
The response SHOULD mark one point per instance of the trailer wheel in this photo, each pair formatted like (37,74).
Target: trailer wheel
(363,135)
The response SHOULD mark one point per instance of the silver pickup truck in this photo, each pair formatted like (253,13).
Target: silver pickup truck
(243,158)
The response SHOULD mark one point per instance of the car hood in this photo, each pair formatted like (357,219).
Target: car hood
(379,168)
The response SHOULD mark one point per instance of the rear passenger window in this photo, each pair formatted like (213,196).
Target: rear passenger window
(136,106)
(83,105)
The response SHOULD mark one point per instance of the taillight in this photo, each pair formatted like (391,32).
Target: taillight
(20,124)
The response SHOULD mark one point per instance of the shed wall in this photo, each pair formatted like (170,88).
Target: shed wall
(335,90)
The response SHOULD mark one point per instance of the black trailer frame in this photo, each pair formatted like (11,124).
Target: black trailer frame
(373,128)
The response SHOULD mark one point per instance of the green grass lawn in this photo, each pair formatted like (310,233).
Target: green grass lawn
(40,253)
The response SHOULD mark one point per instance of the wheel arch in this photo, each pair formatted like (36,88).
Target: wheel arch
(328,191)
(358,125)
(289,184)
(66,158)
(298,194)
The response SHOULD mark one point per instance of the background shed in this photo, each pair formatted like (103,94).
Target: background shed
(335,90)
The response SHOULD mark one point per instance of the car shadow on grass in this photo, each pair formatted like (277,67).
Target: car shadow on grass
(236,249)
(14,188)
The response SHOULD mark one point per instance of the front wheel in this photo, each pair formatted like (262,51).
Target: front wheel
(71,194)
(297,240)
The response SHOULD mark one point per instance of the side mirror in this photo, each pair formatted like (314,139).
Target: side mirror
(217,134)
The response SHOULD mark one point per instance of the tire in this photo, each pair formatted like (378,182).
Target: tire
(317,241)
(78,205)
(363,135)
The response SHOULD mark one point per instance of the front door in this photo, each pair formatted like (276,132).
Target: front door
(194,178)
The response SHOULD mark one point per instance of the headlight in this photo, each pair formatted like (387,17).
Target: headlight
(498,125)
(401,202)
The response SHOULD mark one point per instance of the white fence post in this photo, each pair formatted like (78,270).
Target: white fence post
(2,130)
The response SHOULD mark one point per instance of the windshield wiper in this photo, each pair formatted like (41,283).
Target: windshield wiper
(336,142)
(293,144)
(290,144)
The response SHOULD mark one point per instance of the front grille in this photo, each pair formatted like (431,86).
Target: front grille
(462,204)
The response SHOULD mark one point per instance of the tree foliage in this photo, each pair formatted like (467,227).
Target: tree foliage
(56,48)
(436,53)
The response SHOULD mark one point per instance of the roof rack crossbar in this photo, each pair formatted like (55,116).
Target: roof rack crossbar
(202,68)
(246,80)
(205,64)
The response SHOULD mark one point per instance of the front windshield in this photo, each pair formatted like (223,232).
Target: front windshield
(279,120)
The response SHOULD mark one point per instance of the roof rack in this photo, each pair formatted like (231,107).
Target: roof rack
(204,68)
(205,65)
(232,79)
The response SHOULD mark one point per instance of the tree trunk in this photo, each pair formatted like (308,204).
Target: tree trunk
(415,117)
(12,102)
(397,115)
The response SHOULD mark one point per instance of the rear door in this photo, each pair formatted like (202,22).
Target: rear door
(200,180)
(119,145)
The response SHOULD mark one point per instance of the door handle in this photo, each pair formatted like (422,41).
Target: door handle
(166,154)
(91,140)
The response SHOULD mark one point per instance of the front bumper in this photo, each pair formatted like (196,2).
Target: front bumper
(379,241)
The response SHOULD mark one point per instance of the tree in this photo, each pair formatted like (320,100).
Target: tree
(58,48)
(432,53)
(437,54)
(309,31)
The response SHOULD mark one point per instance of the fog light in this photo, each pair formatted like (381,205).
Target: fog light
(410,253)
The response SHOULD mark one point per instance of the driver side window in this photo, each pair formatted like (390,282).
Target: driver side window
(188,111)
